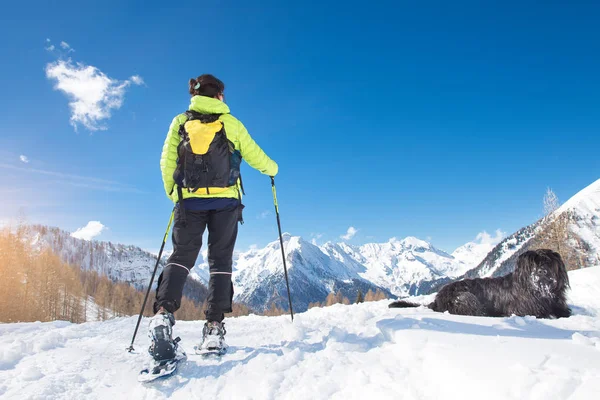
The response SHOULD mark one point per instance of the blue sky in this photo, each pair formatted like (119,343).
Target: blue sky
(437,120)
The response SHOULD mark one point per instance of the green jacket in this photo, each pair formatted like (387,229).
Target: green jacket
(236,132)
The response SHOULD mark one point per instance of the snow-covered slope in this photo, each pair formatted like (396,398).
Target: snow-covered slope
(584,209)
(505,252)
(119,262)
(401,265)
(398,267)
(340,352)
(259,277)
(583,212)
(471,254)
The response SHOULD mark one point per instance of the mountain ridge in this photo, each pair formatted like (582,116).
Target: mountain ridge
(581,216)
(398,267)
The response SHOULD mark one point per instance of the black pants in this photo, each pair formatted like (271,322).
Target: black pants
(187,240)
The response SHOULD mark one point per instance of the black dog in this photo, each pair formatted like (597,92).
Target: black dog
(537,287)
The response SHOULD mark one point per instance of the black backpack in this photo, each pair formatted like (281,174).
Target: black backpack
(207,162)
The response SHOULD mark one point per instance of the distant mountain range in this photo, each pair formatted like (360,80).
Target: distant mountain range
(121,263)
(399,267)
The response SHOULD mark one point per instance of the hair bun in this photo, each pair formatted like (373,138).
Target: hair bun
(206,85)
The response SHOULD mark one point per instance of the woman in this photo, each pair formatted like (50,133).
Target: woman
(203,202)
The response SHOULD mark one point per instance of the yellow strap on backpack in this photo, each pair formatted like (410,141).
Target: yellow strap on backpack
(201,135)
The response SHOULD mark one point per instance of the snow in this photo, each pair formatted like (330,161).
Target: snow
(339,352)
(584,216)
(585,207)
(119,262)
(507,249)
(398,266)
(471,254)
(401,266)
(258,273)
(587,201)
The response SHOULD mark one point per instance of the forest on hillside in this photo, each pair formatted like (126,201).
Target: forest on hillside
(38,286)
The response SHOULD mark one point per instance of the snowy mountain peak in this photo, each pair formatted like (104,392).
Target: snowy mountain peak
(286,236)
(290,243)
(295,243)
(584,223)
(582,211)
(121,263)
(585,202)
(472,253)
(314,272)
(411,242)
(398,265)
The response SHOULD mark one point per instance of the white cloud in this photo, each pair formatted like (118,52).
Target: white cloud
(486,238)
(315,237)
(24,159)
(349,233)
(137,80)
(264,214)
(49,46)
(92,94)
(62,45)
(90,231)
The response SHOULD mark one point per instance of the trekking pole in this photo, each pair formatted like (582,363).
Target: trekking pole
(130,348)
(287,282)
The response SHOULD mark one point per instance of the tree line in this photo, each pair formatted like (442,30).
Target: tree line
(556,234)
(39,286)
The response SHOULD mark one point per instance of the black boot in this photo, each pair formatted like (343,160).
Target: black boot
(160,331)
(213,338)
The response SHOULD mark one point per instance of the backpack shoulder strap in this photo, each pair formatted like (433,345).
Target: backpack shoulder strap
(191,115)
(204,118)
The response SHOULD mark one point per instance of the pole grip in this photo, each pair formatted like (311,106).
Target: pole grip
(169,226)
(274,194)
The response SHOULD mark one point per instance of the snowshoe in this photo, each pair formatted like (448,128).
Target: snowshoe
(213,339)
(164,350)
(164,368)
(160,330)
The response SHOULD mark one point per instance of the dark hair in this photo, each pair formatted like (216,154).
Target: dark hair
(210,86)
